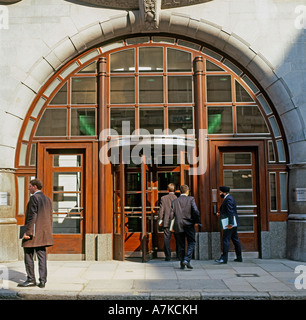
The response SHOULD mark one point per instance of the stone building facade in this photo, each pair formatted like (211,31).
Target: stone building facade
(260,44)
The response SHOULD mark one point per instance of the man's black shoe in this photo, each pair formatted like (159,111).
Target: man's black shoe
(182,266)
(221,261)
(41,285)
(27,284)
(187,264)
(238,260)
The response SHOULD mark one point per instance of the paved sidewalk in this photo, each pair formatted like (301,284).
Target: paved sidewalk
(160,280)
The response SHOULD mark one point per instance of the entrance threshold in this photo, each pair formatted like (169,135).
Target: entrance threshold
(245,255)
(66,257)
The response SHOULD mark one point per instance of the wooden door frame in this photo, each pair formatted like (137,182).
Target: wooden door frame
(90,178)
(258,146)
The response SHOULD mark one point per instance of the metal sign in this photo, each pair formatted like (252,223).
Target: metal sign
(4,199)
(300,194)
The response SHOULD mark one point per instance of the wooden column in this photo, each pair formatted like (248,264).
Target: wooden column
(105,222)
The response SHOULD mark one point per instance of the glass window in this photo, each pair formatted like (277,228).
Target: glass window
(21,188)
(180,89)
(151,59)
(271,152)
(250,120)
(61,96)
(272,182)
(53,123)
(91,68)
(151,90)
(219,88)
(63,160)
(220,120)
(64,202)
(122,90)
(122,61)
(237,158)
(118,115)
(83,122)
(241,94)
(164,178)
(281,151)
(151,119)
(83,90)
(33,155)
(210,66)
(66,181)
(238,179)
(283,180)
(178,60)
(180,118)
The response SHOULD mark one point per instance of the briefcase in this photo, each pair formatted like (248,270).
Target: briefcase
(22,231)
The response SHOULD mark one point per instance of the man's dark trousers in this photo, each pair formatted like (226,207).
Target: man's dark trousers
(228,235)
(188,233)
(42,263)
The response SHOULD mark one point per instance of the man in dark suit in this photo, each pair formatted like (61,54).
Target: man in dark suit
(164,218)
(185,214)
(228,210)
(37,235)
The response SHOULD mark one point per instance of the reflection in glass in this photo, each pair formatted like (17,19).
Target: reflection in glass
(135,223)
(243,197)
(83,90)
(246,224)
(237,158)
(73,160)
(241,94)
(122,90)
(210,66)
(220,120)
(238,179)
(283,181)
(219,88)
(91,68)
(250,120)
(66,202)
(272,182)
(133,181)
(179,89)
(133,202)
(66,181)
(53,123)
(271,151)
(151,119)
(122,61)
(61,96)
(63,224)
(151,59)
(180,118)
(83,122)
(178,60)
(118,115)
(151,90)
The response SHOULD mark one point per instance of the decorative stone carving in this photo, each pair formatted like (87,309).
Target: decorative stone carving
(149,10)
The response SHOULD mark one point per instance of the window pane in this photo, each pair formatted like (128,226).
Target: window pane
(33,155)
(53,123)
(61,96)
(220,120)
(272,180)
(62,224)
(91,68)
(66,202)
(67,160)
(241,94)
(250,120)
(151,59)
(238,179)
(117,116)
(219,88)
(83,90)
(122,90)
(151,90)
(66,181)
(271,151)
(179,89)
(151,119)
(237,158)
(212,67)
(178,60)
(283,178)
(122,61)
(83,122)
(180,118)
(21,188)
(164,178)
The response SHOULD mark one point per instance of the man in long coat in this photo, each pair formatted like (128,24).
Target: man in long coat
(37,235)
